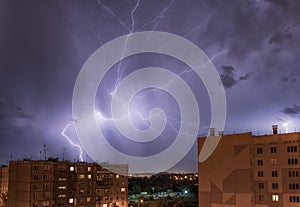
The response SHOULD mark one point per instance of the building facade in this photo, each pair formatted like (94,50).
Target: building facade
(3,182)
(246,170)
(55,183)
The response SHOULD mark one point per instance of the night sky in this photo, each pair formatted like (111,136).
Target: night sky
(254,45)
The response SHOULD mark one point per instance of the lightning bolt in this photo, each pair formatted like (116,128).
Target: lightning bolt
(63,133)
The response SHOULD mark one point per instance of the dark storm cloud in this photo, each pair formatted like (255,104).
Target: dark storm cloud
(11,110)
(295,110)
(228,77)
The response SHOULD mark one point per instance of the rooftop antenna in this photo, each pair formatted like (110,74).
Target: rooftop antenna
(64,150)
(45,151)
(41,155)
(11,156)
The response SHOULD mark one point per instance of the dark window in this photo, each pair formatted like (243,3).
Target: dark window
(260,174)
(274,185)
(273,149)
(274,174)
(260,185)
(259,150)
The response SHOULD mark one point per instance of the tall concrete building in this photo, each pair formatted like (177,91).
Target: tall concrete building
(3,181)
(55,183)
(246,170)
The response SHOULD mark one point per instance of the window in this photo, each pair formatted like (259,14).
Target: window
(261,197)
(62,187)
(294,199)
(292,161)
(123,189)
(259,162)
(47,167)
(294,186)
(117,176)
(62,179)
(292,148)
(259,150)
(275,198)
(71,200)
(35,177)
(274,174)
(89,176)
(274,161)
(46,177)
(81,176)
(36,167)
(273,149)
(46,186)
(260,185)
(88,199)
(35,195)
(260,174)
(293,173)
(72,168)
(89,169)
(274,185)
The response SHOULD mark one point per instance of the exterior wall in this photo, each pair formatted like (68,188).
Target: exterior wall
(247,170)
(3,181)
(54,183)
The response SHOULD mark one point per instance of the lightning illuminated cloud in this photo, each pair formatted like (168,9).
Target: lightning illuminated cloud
(131,29)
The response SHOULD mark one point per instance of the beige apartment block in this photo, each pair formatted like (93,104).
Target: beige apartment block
(3,181)
(36,183)
(246,170)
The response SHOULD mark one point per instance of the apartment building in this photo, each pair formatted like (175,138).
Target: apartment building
(246,170)
(36,183)
(3,181)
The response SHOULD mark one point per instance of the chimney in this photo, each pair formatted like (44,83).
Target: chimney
(212,132)
(275,129)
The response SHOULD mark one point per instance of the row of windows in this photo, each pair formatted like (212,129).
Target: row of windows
(275,198)
(294,199)
(44,167)
(45,177)
(292,173)
(291,161)
(274,149)
(80,168)
(292,186)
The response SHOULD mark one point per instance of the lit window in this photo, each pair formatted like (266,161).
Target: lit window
(89,176)
(123,189)
(71,168)
(71,200)
(81,176)
(274,161)
(88,199)
(89,169)
(275,198)
(104,205)
(62,187)
(117,176)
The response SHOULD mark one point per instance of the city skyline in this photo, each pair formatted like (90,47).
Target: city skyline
(43,46)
